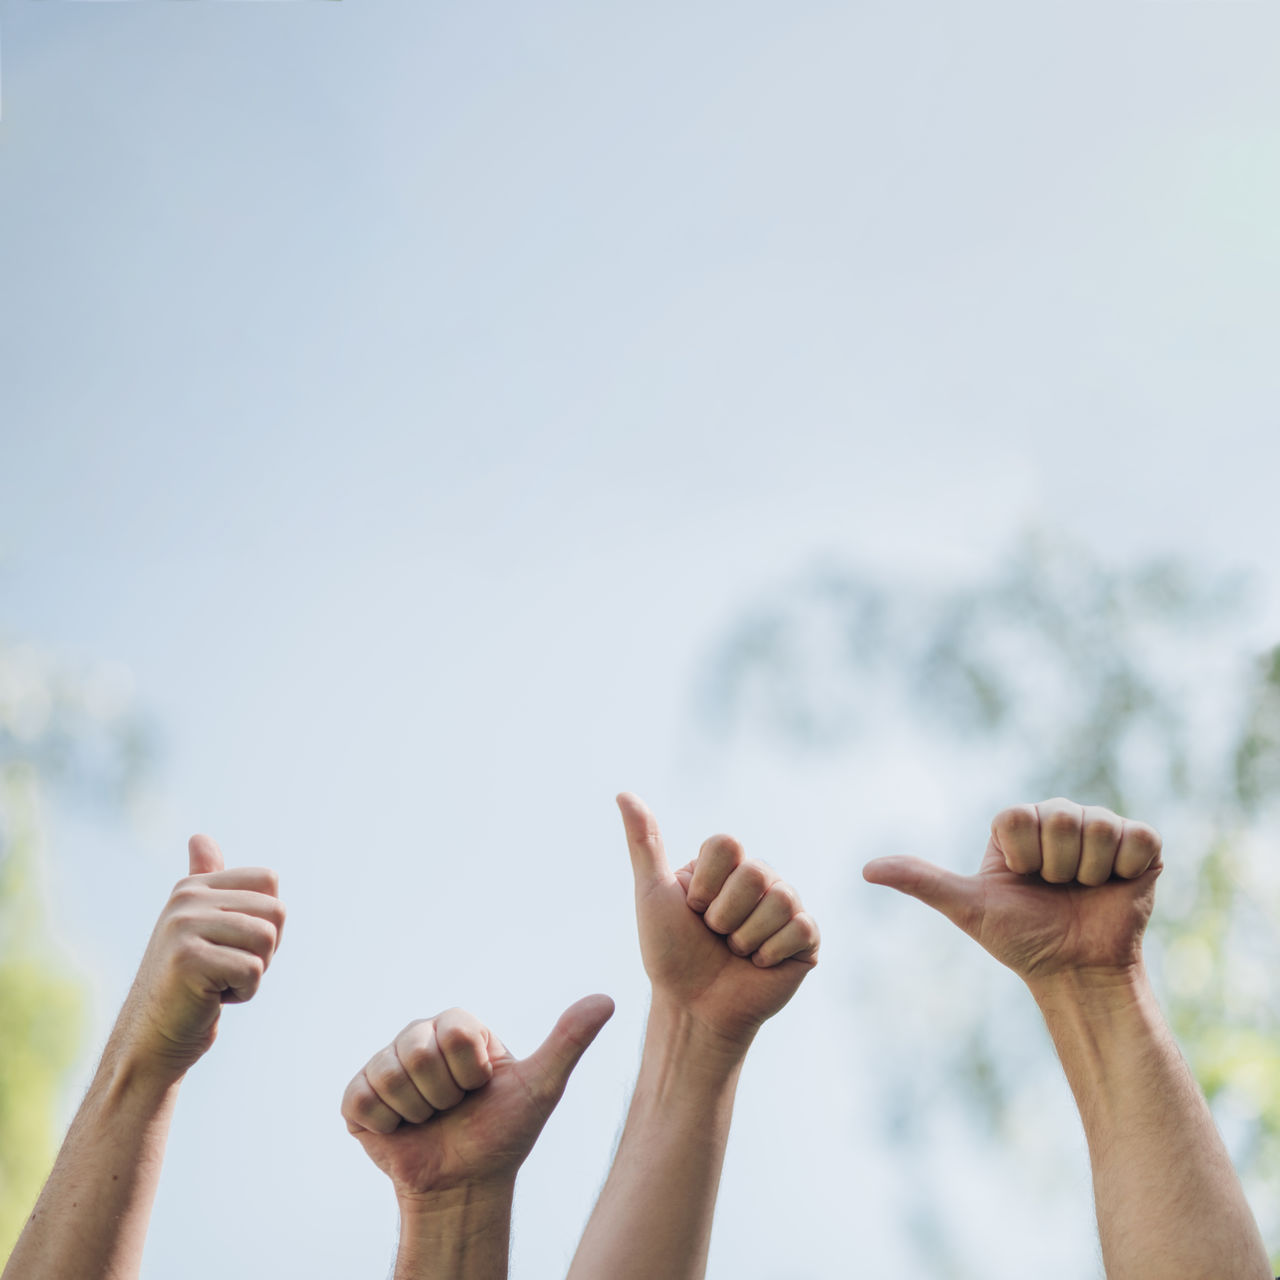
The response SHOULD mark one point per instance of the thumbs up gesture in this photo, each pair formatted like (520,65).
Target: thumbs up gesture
(446,1104)
(212,944)
(1063,889)
(723,938)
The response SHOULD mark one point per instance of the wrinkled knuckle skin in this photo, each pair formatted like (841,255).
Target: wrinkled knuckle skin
(1015,821)
(1102,830)
(1062,822)
(455,1039)
(381,1072)
(187,952)
(727,845)
(1146,839)
(811,934)
(755,876)
(362,1106)
(786,896)
(188,890)
(417,1058)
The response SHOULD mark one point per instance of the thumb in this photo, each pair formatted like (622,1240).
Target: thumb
(205,855)
(644,840)
(570,1038)
(958,897)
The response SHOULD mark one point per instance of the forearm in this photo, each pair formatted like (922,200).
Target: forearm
(654,1214)
(90,1222)
(1168,1200)
(463,1234)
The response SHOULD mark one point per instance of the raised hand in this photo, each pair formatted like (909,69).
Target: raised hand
(446,1104)
(723,938)
(725,944)
(1062,887)
(212,944)
(210,947)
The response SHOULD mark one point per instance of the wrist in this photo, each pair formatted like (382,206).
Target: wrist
(1101,989)
(462,1231)
(462,1210)
(127,1076)
(688,1045)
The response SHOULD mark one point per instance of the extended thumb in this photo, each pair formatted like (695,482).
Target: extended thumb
(644,841)
(956,896)
(570,1038)
(204,854)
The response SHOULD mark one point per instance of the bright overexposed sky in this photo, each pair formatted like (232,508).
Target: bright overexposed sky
(411,395)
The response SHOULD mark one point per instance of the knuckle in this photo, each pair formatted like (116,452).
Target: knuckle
(1101,826)
(1061,821)
(418,1056)
(187,890)
(364,1106)
(457,1038)
(755,875)
(1017,820)
(188,953)
(380,1072)
(1146,838)
(785,896)
(727,847)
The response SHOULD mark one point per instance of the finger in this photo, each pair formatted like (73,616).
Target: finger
(644,840)
(570,1038)
(1061,823)
(1139,850)
(418,1049)
(957,897)
(742,892)
(797,940)
(390,1080)
(469,1048)
(247,933)
(245,903)
(232,971)
(772,912)
(362,1109)
(1101,841)
(684,876)
(204,855)
(718,858)
(253,879)
(1015,835)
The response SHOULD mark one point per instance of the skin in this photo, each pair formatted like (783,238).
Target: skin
(1063,897)
(449,1115)
(726,944)
(211,945)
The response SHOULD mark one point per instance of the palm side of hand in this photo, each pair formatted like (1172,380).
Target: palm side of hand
(1039,929)
(486,1136)
(691,965)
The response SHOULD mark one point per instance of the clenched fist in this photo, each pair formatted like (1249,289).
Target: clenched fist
(723,939)
(446,1104)
(212,944)
(1063,888)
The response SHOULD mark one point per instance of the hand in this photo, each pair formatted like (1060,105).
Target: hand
(723,938)
(210,947)
(1063,888)
(447,1104)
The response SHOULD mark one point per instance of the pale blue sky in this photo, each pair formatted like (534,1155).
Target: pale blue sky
(409,395)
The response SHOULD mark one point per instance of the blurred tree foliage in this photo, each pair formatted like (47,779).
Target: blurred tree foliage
(1057,675)
(65,734)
